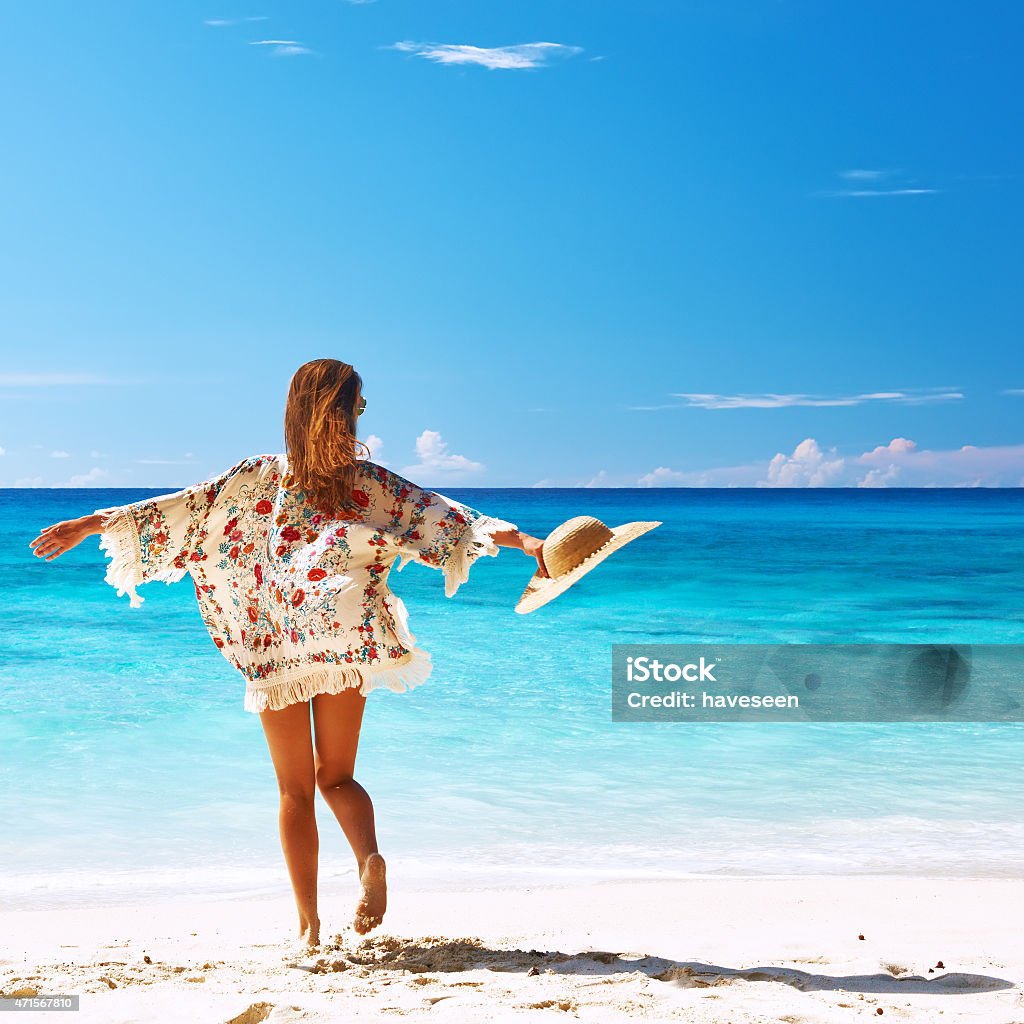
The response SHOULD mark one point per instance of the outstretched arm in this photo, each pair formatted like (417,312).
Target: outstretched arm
(63,536)
(517,539)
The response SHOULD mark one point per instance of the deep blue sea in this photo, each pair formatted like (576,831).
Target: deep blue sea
(128,765)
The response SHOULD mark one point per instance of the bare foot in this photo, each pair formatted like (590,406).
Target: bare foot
(309,932)
(374,899)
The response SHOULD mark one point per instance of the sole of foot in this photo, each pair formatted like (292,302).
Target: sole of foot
(374,898)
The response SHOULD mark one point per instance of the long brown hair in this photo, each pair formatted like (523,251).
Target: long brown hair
(320,432)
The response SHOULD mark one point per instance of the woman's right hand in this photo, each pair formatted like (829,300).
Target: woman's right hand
(60,537)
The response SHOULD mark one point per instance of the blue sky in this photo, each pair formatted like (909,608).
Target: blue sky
(762,242)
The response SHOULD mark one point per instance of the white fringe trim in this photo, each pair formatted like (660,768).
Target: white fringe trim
(120,540)
(476,541)
(303,684)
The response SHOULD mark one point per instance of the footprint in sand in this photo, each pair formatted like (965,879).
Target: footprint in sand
(254,1014)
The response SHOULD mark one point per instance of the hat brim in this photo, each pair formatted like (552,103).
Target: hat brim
(542,589)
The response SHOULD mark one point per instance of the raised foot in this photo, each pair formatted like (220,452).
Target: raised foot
(374,898)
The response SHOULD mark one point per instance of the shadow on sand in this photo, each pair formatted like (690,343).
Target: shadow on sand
(439,955)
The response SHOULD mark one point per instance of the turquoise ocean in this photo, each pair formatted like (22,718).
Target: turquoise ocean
(128,766)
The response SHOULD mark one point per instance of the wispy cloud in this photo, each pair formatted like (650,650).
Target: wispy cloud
(434,458)
(154,461)
(228,22)
(284,47)
(864,174)
(521,57)
(693,400)
(900,463)
(858,192)
(1013,391)
(60,454)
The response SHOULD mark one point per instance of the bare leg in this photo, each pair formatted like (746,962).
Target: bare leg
(291,750)
(337,718)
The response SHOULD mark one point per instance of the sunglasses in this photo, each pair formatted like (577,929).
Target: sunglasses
(361,408)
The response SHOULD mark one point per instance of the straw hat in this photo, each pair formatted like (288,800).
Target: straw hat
(570,551)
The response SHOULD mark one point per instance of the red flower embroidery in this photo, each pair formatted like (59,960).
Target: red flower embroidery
(316,575)
(289,533)
(217,640)
(361,498)
(298,597)
(264,507)
(295,636)
(258,571)
(253,614)
(234,552)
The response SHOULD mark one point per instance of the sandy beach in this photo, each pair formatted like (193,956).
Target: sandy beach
(701,949)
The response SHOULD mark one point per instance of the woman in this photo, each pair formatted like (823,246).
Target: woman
(290,556)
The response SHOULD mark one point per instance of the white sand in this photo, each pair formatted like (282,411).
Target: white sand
(699,950)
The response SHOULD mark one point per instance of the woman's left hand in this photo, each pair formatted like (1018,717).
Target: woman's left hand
(63,536)
(535,546)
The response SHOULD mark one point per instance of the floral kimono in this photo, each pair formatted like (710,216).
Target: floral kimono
(299,602)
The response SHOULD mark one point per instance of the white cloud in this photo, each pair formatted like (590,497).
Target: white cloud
(522,56)
(59,454)
(284,47)
(808,466)
(29,481)
(888,477)
(96,454)
(662,476)
(787,401)
(226,22)
(87,479)
(862,192)
(1013,391)
(967,466)
(862,174)
(600,480)
(376,446)
(720,476)
(3,451)
(434,458)
(900,463)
